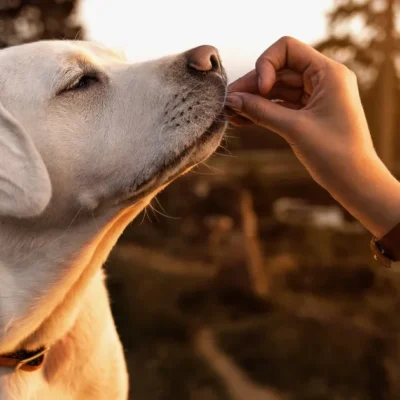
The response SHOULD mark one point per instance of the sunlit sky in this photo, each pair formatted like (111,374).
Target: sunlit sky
(241,30)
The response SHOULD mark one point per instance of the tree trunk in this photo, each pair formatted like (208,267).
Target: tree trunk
(386,108)
(386,101)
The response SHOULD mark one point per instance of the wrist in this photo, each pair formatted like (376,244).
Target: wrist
(370,193)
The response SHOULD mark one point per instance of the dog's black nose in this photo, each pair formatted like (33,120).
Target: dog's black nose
(204,59)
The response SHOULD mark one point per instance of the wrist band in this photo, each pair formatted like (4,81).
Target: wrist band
(387,249)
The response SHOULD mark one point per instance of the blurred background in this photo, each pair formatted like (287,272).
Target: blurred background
(244,280)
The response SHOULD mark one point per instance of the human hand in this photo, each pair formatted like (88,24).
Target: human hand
(319,113)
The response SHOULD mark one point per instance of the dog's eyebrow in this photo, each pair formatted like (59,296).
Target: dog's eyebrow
(79,63)
(86,65)
(74,66)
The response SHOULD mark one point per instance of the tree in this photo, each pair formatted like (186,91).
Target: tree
(24,21)
(371,53)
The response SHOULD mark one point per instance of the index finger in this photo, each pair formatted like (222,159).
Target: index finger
(289,53)
(247,83)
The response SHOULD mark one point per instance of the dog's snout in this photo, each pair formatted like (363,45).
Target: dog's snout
(204,59)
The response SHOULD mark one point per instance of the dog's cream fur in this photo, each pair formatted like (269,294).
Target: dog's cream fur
(77,164)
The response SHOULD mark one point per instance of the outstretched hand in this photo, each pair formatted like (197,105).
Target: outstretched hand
(313,102)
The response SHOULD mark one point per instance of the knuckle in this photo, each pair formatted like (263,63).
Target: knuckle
(352,75)
(343,69)
(343,76)
(340,70)
(348,75)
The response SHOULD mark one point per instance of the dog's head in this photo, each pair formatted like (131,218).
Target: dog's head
(81,127)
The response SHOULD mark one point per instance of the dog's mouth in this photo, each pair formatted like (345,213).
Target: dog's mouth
(216,127)
(193,154)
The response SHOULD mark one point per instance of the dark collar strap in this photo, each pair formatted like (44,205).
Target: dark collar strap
(24,360)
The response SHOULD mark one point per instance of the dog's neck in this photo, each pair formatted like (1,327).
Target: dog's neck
(45,273)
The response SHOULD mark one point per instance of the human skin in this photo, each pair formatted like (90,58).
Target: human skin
(319,113)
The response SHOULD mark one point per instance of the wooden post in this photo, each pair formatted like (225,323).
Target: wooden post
(255,260)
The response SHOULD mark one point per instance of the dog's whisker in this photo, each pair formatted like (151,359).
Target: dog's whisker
(161,131)
(145,215)
(154,212)
(203,173)
(227,152)
(214,169)
(224,155)
(229,137)
(159,203)
(95,221)
(160,213)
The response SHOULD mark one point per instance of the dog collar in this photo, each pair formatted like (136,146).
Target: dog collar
(24,360)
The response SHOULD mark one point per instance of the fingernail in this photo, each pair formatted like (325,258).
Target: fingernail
(233,101)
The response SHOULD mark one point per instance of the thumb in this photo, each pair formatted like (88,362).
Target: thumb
(262,112)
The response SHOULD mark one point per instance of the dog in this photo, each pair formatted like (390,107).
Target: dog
(87,139)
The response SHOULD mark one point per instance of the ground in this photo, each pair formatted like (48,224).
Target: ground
(195,326)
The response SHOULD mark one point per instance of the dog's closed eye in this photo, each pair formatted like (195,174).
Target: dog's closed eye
(80,82)
(83,82)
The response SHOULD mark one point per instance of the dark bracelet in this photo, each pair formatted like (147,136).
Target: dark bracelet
(380,254)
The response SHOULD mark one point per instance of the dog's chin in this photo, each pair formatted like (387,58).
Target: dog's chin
(198,151)
(194,154)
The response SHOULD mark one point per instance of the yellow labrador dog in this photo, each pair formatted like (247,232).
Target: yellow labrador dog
(86,140)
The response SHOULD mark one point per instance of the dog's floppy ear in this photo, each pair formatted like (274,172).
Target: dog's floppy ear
(25,186)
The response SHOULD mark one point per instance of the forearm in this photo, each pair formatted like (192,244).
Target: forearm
(371,194)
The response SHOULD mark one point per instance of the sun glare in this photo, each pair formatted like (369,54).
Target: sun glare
(240,30)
